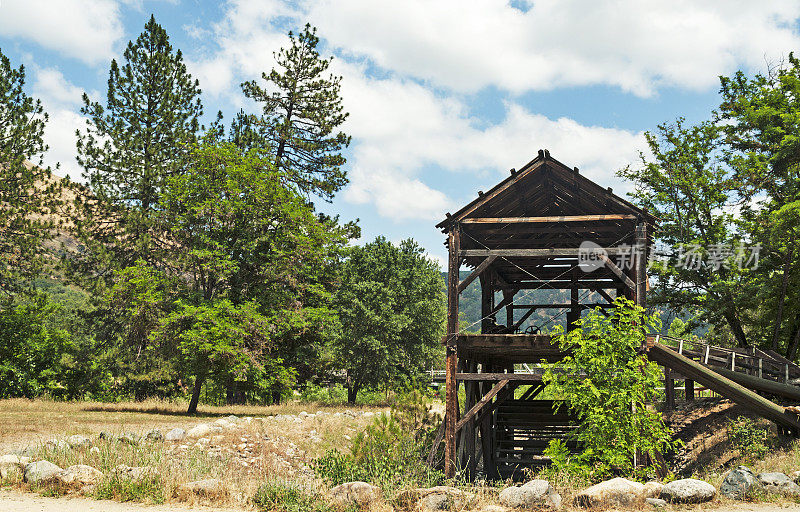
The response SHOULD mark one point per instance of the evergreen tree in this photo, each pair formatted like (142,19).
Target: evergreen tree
(130,147)
(28,192)
(302,111)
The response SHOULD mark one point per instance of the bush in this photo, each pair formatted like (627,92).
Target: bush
(390,452)
(285,496)
(609,384)
(750,438)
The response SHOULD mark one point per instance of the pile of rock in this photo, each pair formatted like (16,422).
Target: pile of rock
(741,483)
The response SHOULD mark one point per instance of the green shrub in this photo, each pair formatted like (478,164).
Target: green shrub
(285,496)
(749,438)
(390,452)
(609,384)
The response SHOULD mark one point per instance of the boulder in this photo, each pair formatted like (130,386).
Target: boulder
(431,497)
(78,441)
(222,422)
(41,471)
(795,476)
(655,502)
(619,492)
(433,502)
(80,474)
(360,493)
(739,483)
(652,489)
(11,466)
(530,494)
(135,472)
(154,436)
(198,431)
(688,490)
(176,434)
(207,488)
(779,483)
(57,445)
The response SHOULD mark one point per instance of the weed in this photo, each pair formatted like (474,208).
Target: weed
(286,496)
(749,438)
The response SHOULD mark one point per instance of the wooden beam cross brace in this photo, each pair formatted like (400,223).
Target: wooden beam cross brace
(475,273)
(617,271)
(483,402)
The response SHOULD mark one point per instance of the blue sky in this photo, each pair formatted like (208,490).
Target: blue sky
(444,97)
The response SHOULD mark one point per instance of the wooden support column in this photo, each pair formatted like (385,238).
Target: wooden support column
(451,384)
(509,296)
(640,274)
(669,389)
(487,301)
(575,312)
(689,385)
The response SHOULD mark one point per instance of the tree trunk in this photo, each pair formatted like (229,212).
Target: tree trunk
(234,395)
(352,393)
(786,267)
(736,327)
(198,385)
(791,350)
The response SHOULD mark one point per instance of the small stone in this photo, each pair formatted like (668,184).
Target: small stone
(688,490)
(656,502)
(779,483)
(795,476)
(105,435)
(222,422)
(619,492)
(200,430)
(41,471)
(207,488)
(57,445)
(435,502)
(78,441)
(94,450)
(176,434)
(355,492)
(80,474)
(739,483)
(154,436)
(530,494)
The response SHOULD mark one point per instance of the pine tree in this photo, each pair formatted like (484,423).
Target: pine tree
(131,146)
(28,193)
(301,111)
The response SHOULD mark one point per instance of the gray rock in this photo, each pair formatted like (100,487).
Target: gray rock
(176,434)
(795,476)
(11,466)
(207,488)
(105,435)
(80,474)
(739,483)
(360,493)
(619,492)
(435,502)
(656,502)
(41,471)
(57,445)
(688,490)
(154,436)
(78,441)
(652,489)
(778,483)
(198,431)
(533,493)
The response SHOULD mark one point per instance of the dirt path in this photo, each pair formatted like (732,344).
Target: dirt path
(17,502)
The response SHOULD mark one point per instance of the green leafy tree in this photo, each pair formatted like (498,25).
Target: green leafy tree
(610,385)
(391,307)
(131,146)
(688,185)
(302,110)
(29,194)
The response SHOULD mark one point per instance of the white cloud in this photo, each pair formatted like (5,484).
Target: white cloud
(635,45)
(61,100)
(87,30)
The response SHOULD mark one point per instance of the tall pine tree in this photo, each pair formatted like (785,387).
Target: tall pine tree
(130,147)
(28,193)
(302,111)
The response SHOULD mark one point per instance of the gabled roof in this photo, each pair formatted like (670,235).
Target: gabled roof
(545,187)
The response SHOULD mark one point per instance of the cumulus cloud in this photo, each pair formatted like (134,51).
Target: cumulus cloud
(86,30)
(635,45)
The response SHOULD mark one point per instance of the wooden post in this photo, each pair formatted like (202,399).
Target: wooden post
(640,273)
(669,389)
(451,385)
(575,311)
(688,384)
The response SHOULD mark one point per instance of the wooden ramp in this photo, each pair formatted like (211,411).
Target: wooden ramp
(714,380)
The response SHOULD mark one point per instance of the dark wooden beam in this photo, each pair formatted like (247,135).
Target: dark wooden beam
(565,252)
(451,384)
(562,218)
(481,403)
(475,273)
(518,377)
(618,271)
